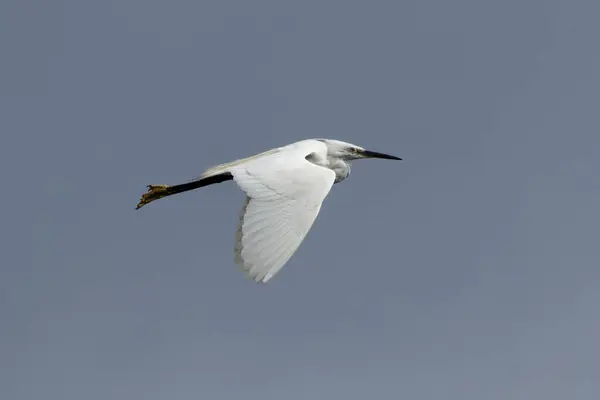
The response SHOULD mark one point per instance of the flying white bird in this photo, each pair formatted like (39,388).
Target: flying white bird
(284,189)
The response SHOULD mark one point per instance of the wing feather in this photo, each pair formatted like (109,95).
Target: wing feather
(284,193)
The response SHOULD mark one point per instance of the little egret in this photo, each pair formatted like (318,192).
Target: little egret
(284,189)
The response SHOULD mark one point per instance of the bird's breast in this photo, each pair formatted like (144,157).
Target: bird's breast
(341,170)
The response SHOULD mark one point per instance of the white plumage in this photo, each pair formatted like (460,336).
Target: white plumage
(284,195)
(285,188)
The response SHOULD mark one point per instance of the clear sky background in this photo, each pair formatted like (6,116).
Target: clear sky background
(468,271)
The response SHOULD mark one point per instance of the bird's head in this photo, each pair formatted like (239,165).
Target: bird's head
(349,151)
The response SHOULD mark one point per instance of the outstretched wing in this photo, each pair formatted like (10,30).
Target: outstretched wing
(284,193)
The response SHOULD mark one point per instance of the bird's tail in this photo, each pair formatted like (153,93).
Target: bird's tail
(156,192)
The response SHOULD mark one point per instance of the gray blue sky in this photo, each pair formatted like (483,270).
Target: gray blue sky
(468,271)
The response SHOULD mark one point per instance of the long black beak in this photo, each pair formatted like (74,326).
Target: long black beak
(374,154)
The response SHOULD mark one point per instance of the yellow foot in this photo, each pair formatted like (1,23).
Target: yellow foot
(155,192)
